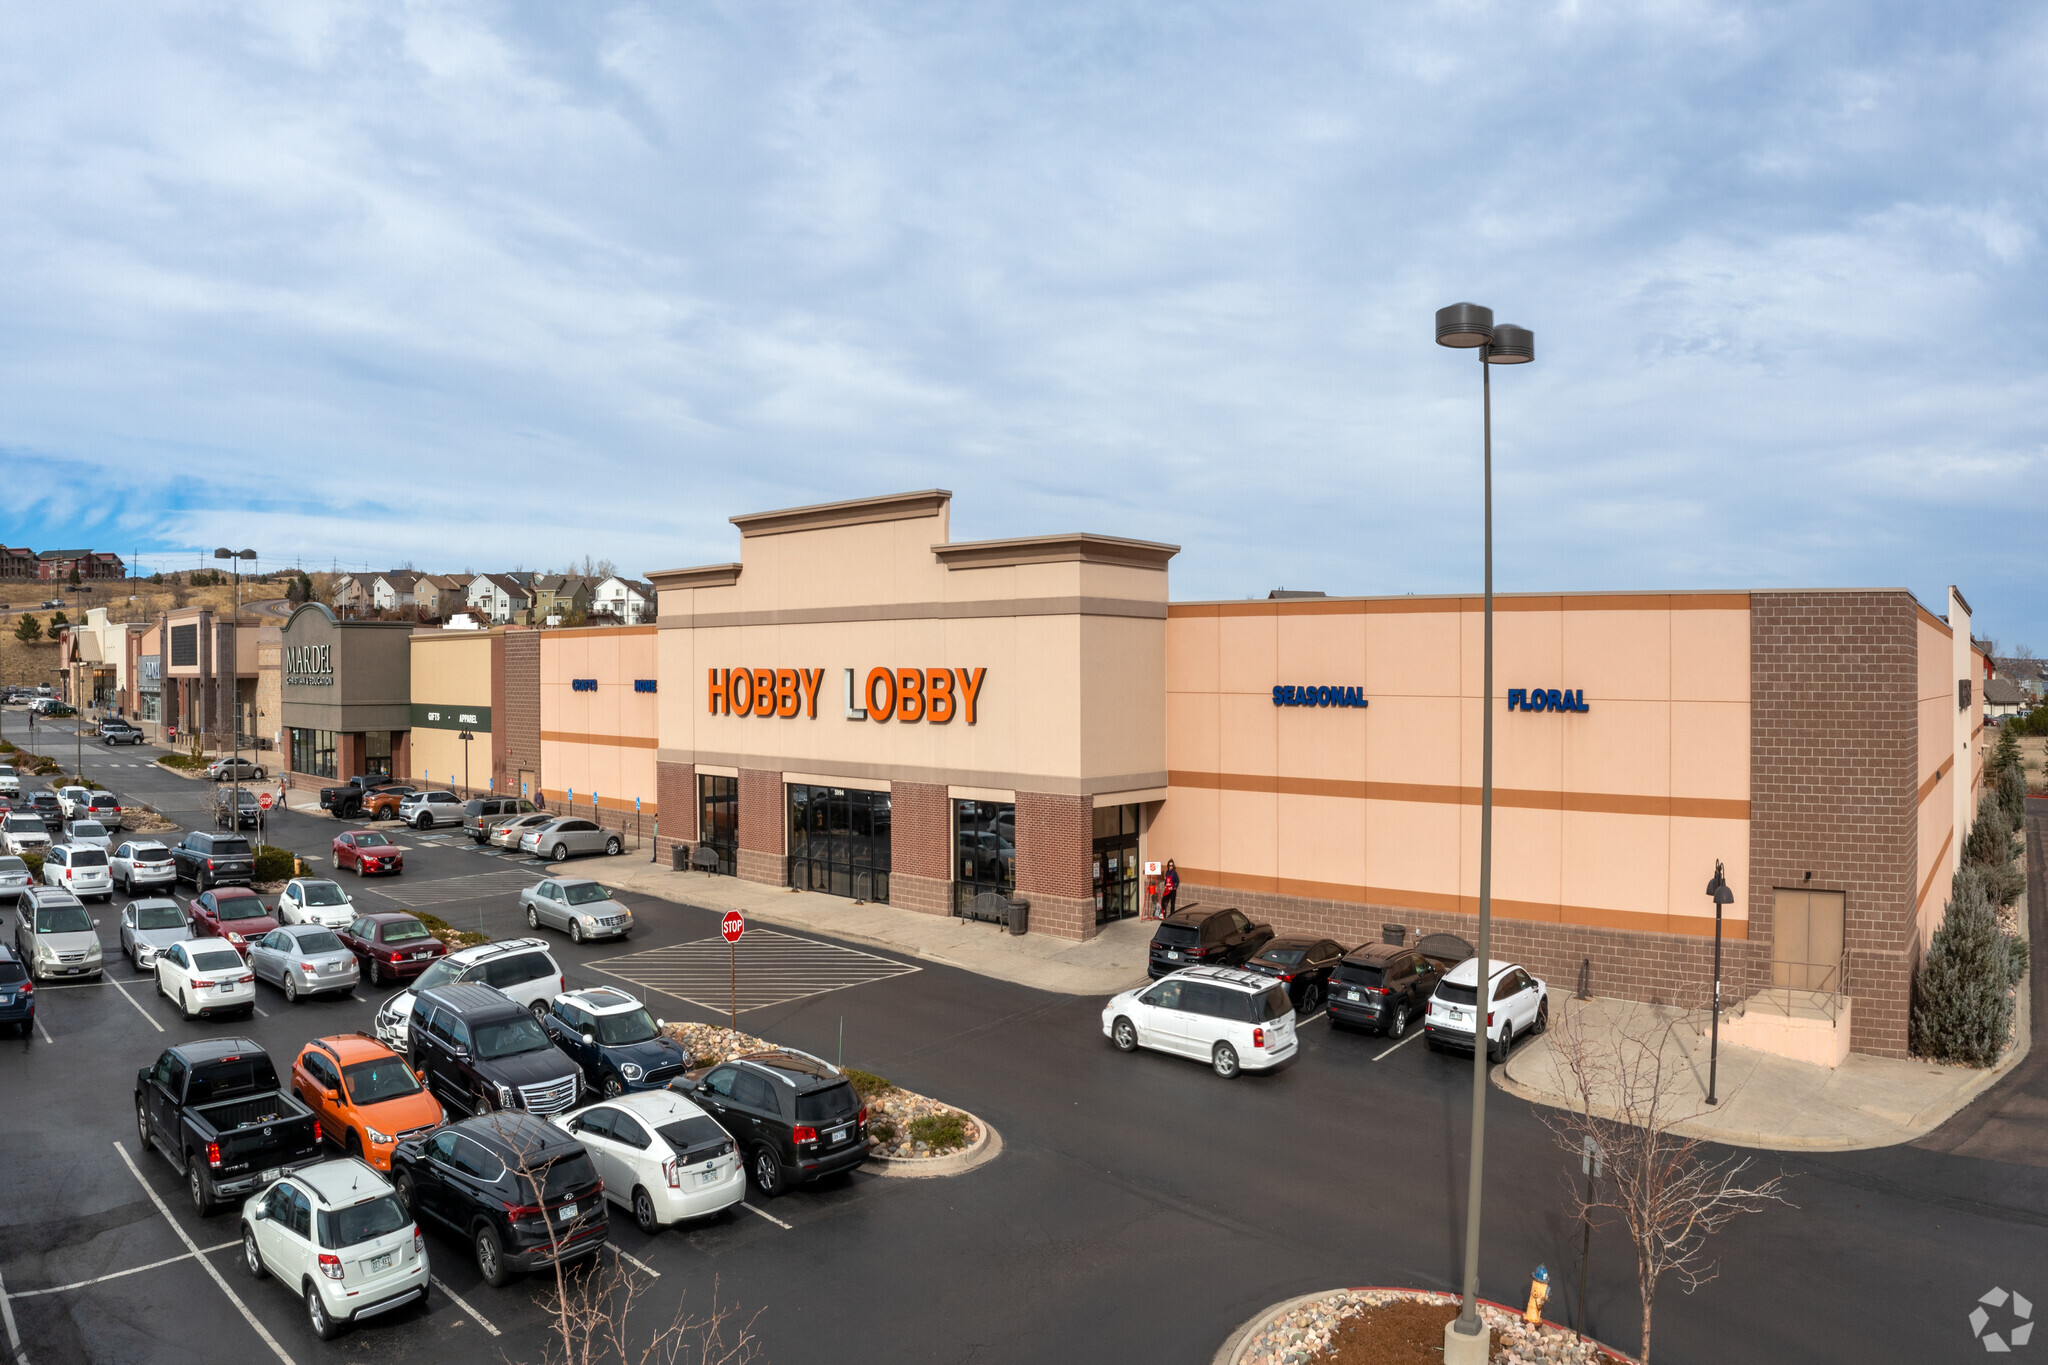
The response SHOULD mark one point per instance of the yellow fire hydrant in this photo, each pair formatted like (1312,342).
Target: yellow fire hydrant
(1539,1294)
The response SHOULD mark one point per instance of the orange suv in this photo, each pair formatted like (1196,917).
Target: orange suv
(365,1095)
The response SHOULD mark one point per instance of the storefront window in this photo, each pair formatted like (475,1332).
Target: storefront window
(313,752)
(377,752)
(984,850)
(839,842)
(718,818)
(1116,863)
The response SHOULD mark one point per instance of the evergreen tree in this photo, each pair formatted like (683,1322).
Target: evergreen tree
(2007,753)
(1989,844)
(2012,793)
(58,618)
(28,628)
(1960,1009)
(72,577)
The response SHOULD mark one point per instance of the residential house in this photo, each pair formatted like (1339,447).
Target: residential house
(17,562)
(54,566)
(2002,698)
(351,595)
(499,598)
(626,600)
(393,591)
(2029,675)
(559,598)
(438,595)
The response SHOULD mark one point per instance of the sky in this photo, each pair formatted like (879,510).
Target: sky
(499,286)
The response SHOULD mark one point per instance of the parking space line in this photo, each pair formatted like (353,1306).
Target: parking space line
(211,1268)
(1403,1043)
(45,1032)
(260,1010)
(769,1216)
(137,1003)
(463,1304)
(115,1275)
(13,1333)
(1313,1017)
(626,1256)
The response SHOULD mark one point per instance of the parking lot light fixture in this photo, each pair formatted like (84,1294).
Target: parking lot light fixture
(235,683)
(1470,326)
(1723,896)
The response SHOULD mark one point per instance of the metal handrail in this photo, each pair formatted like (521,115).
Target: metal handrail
(1827,995)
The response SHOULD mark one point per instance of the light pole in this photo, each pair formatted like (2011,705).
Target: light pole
(1468,326)
(235,685)
(466,737)
(1718,889)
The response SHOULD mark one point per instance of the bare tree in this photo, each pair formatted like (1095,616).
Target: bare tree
(1630,1085)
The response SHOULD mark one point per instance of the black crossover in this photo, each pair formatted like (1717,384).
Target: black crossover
(480,1050)
(795,1117)
(519,1190)
(1205,938)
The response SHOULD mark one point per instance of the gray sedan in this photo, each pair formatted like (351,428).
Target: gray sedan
(303,959)
(566,835)
(581,906)
(150,926)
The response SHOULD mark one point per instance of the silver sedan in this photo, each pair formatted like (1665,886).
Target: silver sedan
(577,904)
(150,926)
(303,959)
(508,834)
(566,835)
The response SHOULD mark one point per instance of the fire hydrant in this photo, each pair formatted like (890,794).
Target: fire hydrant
(1539,1293)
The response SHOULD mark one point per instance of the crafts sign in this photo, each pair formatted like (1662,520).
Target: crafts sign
(309,664)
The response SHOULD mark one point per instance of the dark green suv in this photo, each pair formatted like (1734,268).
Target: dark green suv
(796,1118)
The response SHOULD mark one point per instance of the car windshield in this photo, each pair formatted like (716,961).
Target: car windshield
(634,1026)
(63,919)
(583,893)
(318,941)
(1271,1004)
(403,931)
(24,824)
(509,1038)
(88,857)
(12,865)
(322,893)
(387,1078)
(1282,957)
(159,917)
(11,973)
(371,839)
(440,974)
(216,961)
(88,829)
(359,1223)
(239,907)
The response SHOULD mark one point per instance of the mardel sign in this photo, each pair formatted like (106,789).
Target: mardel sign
(936,696)
(312,664)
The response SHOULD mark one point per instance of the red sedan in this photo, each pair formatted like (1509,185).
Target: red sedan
(367,851)
(392,946)
(234,913)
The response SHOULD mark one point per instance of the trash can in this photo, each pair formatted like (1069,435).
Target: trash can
(679,857)
(1020,915)
(1395,934)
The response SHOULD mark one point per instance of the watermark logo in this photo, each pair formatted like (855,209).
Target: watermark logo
(2017,1308)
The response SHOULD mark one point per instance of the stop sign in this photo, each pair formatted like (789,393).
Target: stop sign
(265,800)
(733,926)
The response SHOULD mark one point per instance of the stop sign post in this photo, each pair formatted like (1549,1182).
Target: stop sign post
(732,926)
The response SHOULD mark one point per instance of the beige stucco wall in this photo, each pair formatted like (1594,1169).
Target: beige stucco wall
(1612,817)
(601,741)
(451,668)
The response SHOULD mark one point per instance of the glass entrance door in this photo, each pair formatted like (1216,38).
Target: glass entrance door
(1116,863)
(839,842)
(718,819)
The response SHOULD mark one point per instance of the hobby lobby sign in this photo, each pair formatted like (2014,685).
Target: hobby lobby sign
(936,696)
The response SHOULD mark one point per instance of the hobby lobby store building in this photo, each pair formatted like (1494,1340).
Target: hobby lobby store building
(859,705)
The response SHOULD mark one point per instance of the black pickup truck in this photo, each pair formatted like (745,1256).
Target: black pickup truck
(345,803)
(214,1108)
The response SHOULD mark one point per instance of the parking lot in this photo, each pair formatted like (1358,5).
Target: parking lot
(1140,1209)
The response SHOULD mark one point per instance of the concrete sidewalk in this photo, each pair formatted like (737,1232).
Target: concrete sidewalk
(1767,1101)
(1111,961)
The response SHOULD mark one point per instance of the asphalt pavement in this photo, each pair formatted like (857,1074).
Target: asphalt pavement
(1140,1210)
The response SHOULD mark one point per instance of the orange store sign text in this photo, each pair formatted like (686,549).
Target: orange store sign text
(933,695)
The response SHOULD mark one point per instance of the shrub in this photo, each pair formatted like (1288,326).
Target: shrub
(940,1132)
(182,762)
(2007,752)
(34,861)
(2012,793)
(448,933)
(1990,839)
(6,746)
(882,1131)
(867,1084)
(1960,1009)
(274,864)
(2016,947)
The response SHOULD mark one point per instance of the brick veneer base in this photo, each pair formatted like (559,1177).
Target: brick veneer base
(929,895)
(1062,916)
(770,869)
(1055,841)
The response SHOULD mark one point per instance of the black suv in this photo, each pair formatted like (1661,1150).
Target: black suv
(1300,964)
(1205,938)
(481,1050)
(210,860)
(46,805)
(1383,986)
(797,1118)
(235,808)
(523,1192)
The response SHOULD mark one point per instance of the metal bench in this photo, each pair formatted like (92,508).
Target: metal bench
(704,858)
(991,907)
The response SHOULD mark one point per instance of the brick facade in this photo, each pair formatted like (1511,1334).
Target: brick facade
(761,834)
(1833,780)
(1055,842)
(520,720)
(921,847)
(675,790)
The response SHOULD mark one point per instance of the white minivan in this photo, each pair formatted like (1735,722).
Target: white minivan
(1519,1005)
(1233,1020)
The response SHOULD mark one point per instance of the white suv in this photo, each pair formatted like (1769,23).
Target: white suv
(426,810)
(336,1235)
(315,900)
(1519,1005)
(1233,1020)
(521,967)
(10,781)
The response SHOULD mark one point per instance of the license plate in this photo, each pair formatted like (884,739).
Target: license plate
(1173,957)
(706,1176)
(6,999)
(383,1262)
(1351,995)
(422,953)
(568,1212)
(839,1134)
(270,1173)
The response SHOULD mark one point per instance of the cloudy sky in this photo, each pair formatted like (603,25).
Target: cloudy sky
(488,286)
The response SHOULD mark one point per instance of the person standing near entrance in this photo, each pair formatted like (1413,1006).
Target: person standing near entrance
(1171,889)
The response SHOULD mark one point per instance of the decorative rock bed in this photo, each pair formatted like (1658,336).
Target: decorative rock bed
(1302,1332)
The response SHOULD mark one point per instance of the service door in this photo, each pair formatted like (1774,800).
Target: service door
(1806,940)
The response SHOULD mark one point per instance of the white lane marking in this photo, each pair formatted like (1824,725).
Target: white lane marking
(634,1260)
(463,1304)
(45,1032)
(260,1010)
(137,1003)
(135,1270)
(1312,1018)
(7,1320)
(211,1268)
(769,1216)
(1403,1043)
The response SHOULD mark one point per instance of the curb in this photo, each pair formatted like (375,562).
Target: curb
(983,1150)
(1233,1349)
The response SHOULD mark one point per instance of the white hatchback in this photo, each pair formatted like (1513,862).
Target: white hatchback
(660,1156)
(1233,1020)
(336,1235)
(205,976)
(1519,1005)
(315,900)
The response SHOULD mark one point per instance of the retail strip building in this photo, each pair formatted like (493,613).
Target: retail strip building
(862,706)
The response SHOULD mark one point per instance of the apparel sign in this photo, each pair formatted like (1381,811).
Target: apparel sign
(933,695)
(309,665)
(1541,699)
(438,717)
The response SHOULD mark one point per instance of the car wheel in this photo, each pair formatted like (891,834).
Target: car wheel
(532,918)
(259,774)
(353,1146)
(196,1187)
(1224,1060)
(422,822)
(576,931)
(142,1128)
(1400,1024)
(766,1168)
(401,1185)
(1507,1040)
(252,1259)
(324,1327)
(291,988)
(185,1006)
(1311,998)
(1542,1017)
(490,1257)
(539,1008)
(613,1087)
(1124,1034)
(561,852)
(376,973)
(612,846)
